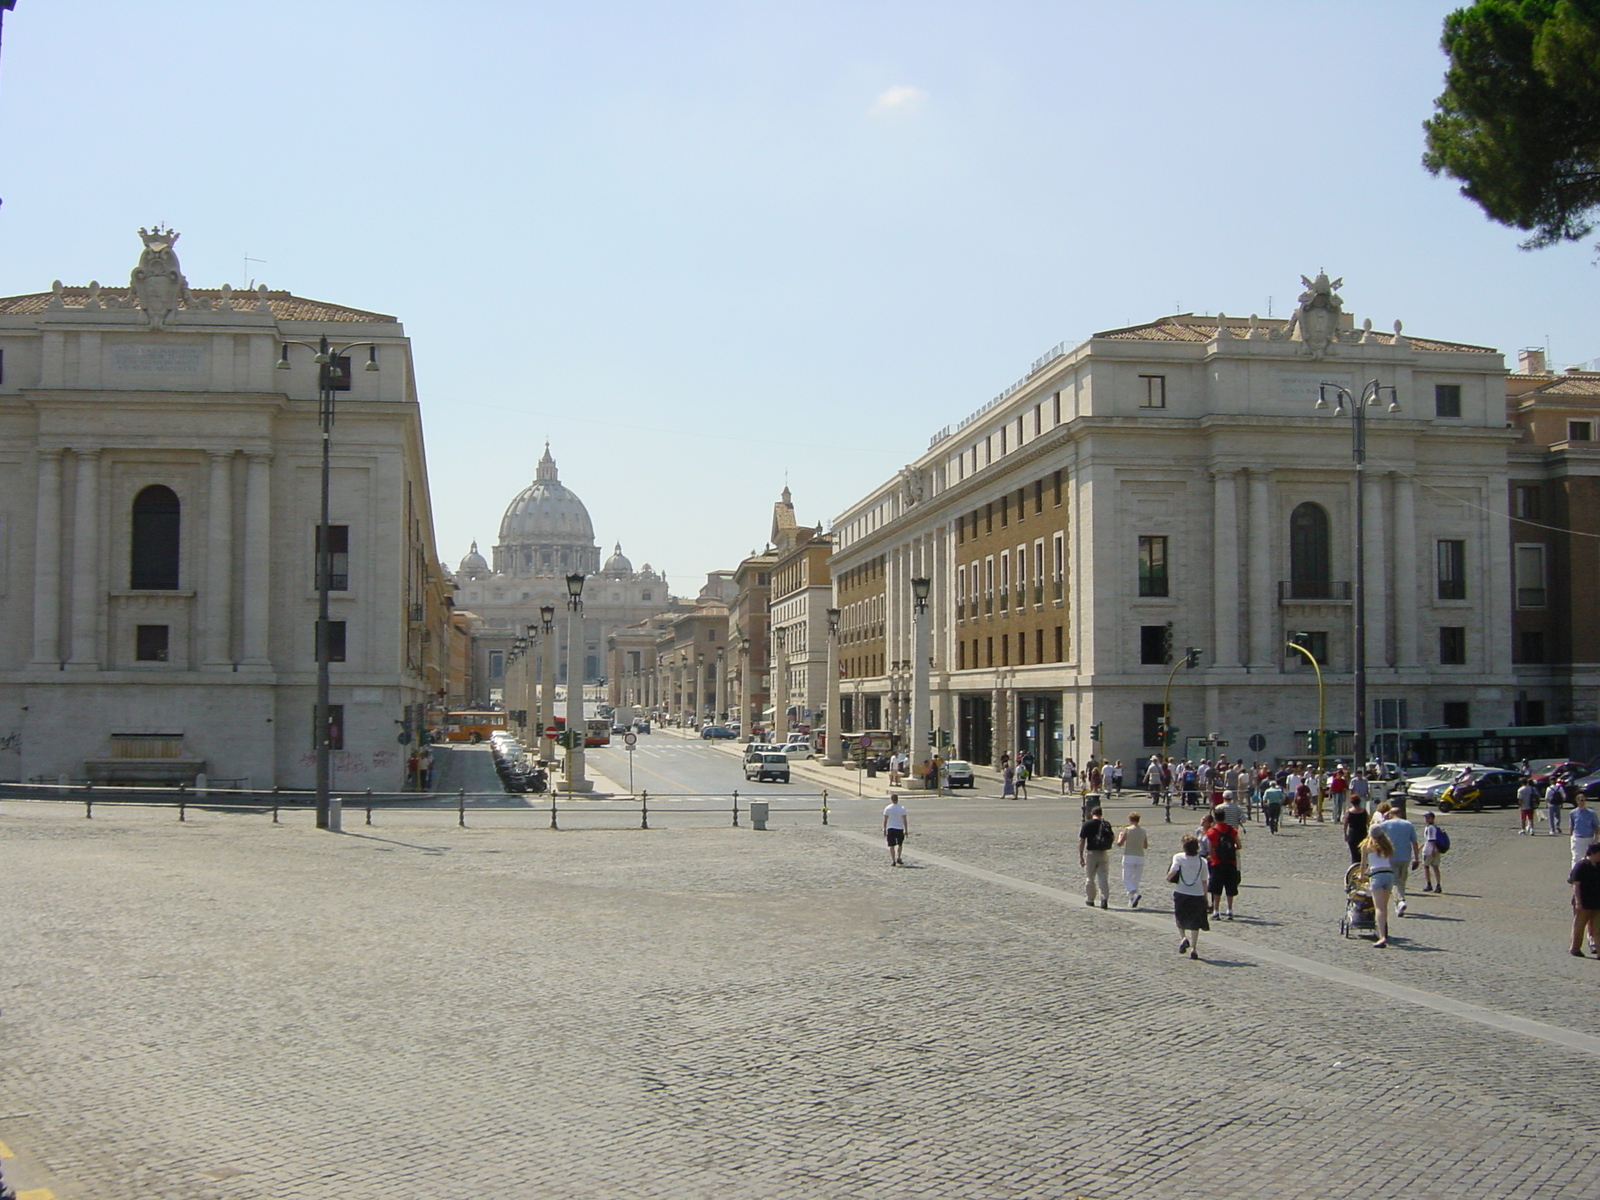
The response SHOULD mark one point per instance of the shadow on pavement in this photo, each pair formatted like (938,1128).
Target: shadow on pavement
(372,837)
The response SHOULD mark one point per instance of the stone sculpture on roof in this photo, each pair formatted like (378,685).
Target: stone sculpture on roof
(1317,315)
(158,283)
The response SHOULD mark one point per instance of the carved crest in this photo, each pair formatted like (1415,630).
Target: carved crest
(159,287)
(910,486)
(1317,316)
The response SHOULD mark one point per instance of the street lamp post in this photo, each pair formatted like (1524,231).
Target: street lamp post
(547,680)
(1296,642)
(328,359)
(747,713)
(575,722)
(1191,660)
(531,685)
(780,683)
(1371,395)
(700,689)
(721,715)
(834,751)
(920,588)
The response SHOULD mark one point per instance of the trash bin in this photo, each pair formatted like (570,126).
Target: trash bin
(335,814)
(872,771)
(1091,801)
(758,814)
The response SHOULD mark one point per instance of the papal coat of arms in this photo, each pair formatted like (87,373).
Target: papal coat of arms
(158,285)
(1317,317)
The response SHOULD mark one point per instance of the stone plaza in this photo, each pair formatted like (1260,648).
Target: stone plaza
(228,1008)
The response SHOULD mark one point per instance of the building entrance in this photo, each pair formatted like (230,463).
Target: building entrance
(975,732)
(1039,730)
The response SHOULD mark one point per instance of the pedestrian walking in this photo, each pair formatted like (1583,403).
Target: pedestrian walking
(1069,773)
(1584,825)
(1095,839)
(1222,857)
(1527,802)
(896,825)
(1355,822)
(1402,835)
(1024,772)
(1554,797)
(1135,843)
(1008,781)
(1377,861)
(1152,778)
(1272,806)
(1116,776)
(1585,880)
(1435,843)
(1189,876)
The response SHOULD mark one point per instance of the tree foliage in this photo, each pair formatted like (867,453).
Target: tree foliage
(1519,120)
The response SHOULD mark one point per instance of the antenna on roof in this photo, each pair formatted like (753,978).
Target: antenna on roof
(250,287)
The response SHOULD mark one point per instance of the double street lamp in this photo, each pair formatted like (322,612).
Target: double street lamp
(920,741)
(833,724)
(576,727)
(330,360)
(1371,396)
(547,681)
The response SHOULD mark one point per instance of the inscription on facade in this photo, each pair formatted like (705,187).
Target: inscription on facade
(158,359)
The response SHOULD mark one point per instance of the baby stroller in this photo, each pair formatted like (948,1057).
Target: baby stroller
(1359,911)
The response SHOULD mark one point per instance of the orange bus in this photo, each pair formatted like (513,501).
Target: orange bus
(472,727)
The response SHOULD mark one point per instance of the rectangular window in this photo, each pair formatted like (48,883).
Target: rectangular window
(1060,650)
(1005,649)
(1151,714)
(1038,571)
(1152,566)
(1002,443)
(338,556)
(961,655)
(1527,712)
(1452,569)
(1389,714)
(1022,649)
(1525,503)
(988,652)
(1152,645)
(1005,510)
(1452,645)
(1038,495)
(1316,643)
(1055,483)
(988,518)
(336,373)
(1580,431)
(1058,582)
(1154,393)
(150,643)
(497,664)
(1530,646)
(1447,399)
(1529,566)
(1457,714)
(336,641)
(335,727)
(1038,419)
(1058,408)
(1038,645)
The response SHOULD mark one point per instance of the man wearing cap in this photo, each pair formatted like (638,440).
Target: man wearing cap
(1402,835)
(1585,881)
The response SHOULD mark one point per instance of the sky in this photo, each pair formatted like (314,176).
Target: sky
(708,249)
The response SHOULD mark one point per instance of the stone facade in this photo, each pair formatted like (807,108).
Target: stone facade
(1173,482)
(159,500)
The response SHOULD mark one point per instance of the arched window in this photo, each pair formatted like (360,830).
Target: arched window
(155,540)
(1310,568)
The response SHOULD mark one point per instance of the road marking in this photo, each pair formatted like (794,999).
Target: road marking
(5,1151)
(36,1194)
(1570,1039)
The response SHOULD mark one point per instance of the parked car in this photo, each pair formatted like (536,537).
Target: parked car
(770,767)
(756,749)
(1425,789)
(1495,789)
(709,732)
(959,773)
(796,749)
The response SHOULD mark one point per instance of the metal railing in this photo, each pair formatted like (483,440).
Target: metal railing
(554,804)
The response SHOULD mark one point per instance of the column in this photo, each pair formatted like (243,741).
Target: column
(1406,600)
(1225,568)
(86,562)
(47,562)
(1262,587)
(258,560)
(1377,574)
(218,640)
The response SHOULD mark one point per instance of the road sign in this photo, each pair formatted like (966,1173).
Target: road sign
(865,742)
(1257,743)
(630,739)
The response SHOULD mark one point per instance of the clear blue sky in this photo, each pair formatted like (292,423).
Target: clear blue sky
(706,246)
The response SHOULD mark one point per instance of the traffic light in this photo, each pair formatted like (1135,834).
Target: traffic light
(1166,644)
(1191,659)
(1094,732)
(1311,742)
(933,737)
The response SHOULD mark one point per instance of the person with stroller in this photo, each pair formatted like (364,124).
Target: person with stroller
(1377,863)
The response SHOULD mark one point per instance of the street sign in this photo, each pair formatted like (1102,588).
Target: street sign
(630,740)
(1257,743)
(865,742)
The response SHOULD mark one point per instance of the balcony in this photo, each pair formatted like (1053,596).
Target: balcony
(1038,593)
(1313,591)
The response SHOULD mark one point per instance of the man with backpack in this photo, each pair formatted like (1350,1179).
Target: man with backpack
(1095,839)
(1222,855)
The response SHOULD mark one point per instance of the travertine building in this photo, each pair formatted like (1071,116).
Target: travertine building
(159,500)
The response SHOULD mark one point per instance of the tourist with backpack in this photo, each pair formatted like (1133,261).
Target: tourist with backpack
(1435,845)
(1222,857)
(1095,839)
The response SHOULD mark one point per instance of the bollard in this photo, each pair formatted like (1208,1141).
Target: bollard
(644,809)
(736,809)
(369,806)
(553,824)
(758,814)
(335,814)
(183,805)
(824,806)
(88,807)
(275,810)
(461,807)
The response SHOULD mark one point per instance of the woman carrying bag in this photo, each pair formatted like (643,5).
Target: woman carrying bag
(1189,877)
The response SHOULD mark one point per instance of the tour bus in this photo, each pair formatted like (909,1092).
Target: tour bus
(472,727)
(596,730)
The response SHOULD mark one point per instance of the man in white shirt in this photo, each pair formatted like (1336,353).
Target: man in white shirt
(896,824)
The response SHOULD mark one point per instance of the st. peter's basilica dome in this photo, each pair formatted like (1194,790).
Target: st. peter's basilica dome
(546,529)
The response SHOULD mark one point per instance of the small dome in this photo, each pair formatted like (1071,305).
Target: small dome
(618,563)
(474,563)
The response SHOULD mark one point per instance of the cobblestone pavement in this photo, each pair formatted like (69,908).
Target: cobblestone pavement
(231,1009)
